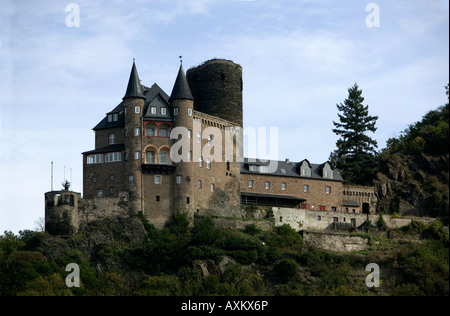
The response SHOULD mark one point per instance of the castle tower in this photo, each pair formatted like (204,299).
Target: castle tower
(61,212)
(134,99)
(216,86)
(182,104)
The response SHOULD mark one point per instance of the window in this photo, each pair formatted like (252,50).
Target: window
(137,154)
(157,179)
(335,219)
(188,200)
(200,184)
(213,187)
(115,117)
(112,177)
(319,218)
(189,155)
(137,109)
(163,132)
(305,172)
(189,133)
(150,157)
(267,186)
(209,140)
(94,179)
(113,157)
(92,159)
(157,198)
(150,131)
(179,179)
(333,208)
(137,131)
(283,171)
(163,157)
(112,190)
(305,188)
(200,161)
(199,137)
(131,179)
(263,169)
(100,193)
(283,186)
(322,208)
(228,166)
(175,111)
(252,168)
(110,117)
(328,190)
(190,112)
(250,183)
(153,109)
(328,174)
(208,163)
(112,138)
(163,111)
(346,210)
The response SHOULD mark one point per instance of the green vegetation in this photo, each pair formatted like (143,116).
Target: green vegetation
(355,156)
(131,257)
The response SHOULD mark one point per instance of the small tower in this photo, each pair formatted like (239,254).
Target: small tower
(134,99)
(61,212)
(182,104)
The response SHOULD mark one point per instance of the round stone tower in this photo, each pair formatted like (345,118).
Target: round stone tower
(216,86)
(61,212)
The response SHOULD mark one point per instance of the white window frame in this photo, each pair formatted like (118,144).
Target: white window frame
(208,163)
(175,111)
(153,110)
(189,112)
(213,187)
(179,179)
(250,183)
(163,111)
(137,155)
(158,179)
(283,186)
(267,185)
(137,131)
(137,109)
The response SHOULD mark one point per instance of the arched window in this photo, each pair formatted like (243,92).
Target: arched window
(164,130)
(150,130)
(164,156)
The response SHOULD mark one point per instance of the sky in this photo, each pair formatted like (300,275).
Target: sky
(64,64)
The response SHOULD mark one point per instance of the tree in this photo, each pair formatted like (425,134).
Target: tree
(355,156)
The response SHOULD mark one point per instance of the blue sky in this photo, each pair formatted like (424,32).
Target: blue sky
(299,57)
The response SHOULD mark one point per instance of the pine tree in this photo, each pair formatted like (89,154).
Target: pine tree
(355,156)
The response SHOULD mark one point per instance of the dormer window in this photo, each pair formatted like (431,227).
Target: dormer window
(327,171)
(110,118)
(252,167)
(163,111)
(305,172)
(115,117)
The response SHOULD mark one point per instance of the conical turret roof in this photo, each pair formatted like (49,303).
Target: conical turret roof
(181,88)
(134,89)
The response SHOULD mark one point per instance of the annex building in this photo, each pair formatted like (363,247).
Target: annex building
(163,154)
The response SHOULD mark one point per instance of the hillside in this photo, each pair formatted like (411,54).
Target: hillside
(127,256)
(414,169)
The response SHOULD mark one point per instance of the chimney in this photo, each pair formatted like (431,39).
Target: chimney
(287,160)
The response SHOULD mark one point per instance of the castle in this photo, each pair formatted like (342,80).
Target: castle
(162,155)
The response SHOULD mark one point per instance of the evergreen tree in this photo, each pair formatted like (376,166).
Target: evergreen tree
(355,156)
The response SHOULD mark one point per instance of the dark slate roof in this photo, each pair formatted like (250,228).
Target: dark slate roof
(273,196)
(107,149)
(288,169)
(134,89)
(181,88)
(150,94)
(104,124)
